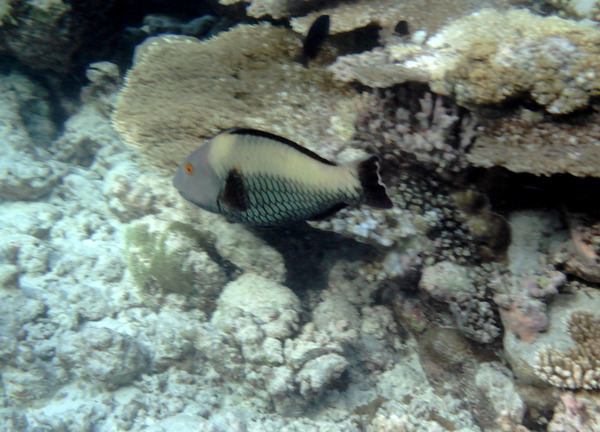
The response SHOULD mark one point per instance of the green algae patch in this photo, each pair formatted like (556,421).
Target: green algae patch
(173,257)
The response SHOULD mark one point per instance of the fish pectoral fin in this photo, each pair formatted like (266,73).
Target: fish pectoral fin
(329,212)
(235,195)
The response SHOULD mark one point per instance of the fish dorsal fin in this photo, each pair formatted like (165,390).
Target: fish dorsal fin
(282,140)
(235,195)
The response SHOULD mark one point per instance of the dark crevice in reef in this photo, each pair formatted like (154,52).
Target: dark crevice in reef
(510,191)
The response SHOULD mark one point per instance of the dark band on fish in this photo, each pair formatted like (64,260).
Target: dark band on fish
(235,195)
(282,140)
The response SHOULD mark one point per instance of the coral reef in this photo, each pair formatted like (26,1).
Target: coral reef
(580,254)
(124,308)
(157,24)
(466,292)
(435,134)
(274,306)
(523,356)
(49,34)
(105,81)
(174,257)
(419,134)
(577,413)
(427,17)
(277,9)
(102,355)
(238,78)
(26,133)
(488,57)
(579,367)
(577,8)
(523,290)
(534,142)
(248,252)
(495,380)
(348,16)
(446,347)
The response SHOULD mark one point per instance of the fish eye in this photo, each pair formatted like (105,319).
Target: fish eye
(189,168)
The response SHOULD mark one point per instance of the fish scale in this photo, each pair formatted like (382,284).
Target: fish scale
(281,201)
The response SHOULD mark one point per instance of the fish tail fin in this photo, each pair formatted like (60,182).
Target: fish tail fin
(374,191)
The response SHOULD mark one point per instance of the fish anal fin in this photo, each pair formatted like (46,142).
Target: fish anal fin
(374,191)
(329,212)
(235,195)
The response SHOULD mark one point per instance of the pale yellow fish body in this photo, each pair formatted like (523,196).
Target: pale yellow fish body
(258,178)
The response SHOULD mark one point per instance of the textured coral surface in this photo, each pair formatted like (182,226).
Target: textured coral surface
(490,56)
(181,91)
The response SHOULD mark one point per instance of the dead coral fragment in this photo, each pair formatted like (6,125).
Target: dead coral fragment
(181,90)
(580,367)
(490,56)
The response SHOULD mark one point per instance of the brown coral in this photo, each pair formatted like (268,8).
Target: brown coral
(579,368)
(490,56)
(428,15)
(536,143)
(181,90)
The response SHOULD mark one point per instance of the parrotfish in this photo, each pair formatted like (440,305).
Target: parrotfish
(262,179)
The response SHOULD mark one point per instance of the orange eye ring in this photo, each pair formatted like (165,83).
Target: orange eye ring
(189,168)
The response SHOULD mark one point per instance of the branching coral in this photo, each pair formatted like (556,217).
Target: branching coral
(422,139)
(490,56)
(579,368)
(181,90)
(415,124)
